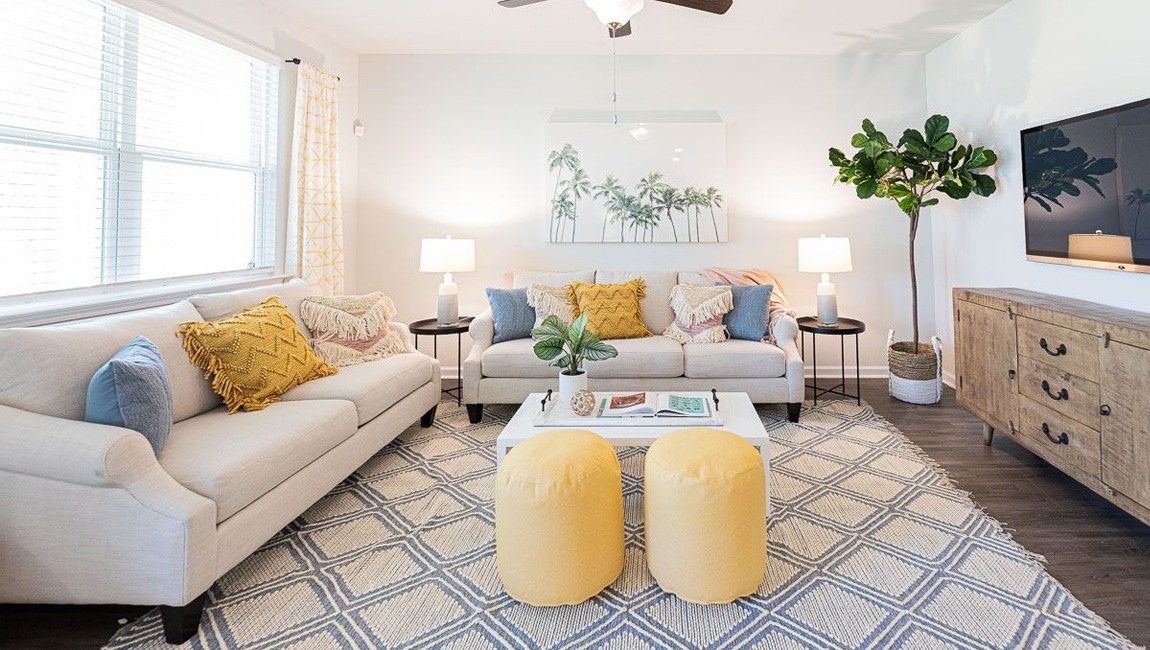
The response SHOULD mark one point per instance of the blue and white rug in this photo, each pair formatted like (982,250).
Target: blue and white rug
(871,546)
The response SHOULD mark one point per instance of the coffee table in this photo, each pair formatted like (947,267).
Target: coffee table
(739,417)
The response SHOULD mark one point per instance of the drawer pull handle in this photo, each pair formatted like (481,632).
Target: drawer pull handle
(1062,439)
(1060,396)
(1105,410)
(1058,352)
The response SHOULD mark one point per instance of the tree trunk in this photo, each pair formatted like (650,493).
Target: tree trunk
(914,279)
(574,220)
(716,225)
(603,237)
(674,230)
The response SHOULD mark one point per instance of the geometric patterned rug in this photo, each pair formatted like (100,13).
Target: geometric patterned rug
(871,546)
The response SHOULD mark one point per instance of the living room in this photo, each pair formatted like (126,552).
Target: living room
(275,324)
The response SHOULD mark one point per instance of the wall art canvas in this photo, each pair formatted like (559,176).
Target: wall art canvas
(636,182)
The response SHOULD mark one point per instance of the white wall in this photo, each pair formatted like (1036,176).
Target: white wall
(1032,62)
(259,23)
(455,144)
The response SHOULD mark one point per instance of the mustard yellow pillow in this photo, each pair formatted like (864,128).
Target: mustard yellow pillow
(613,310)
(253,357)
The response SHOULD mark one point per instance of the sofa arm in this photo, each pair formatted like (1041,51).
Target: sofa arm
(404,335)
(90,516)
(786,332)
(482,331)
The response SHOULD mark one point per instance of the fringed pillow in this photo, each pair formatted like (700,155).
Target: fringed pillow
(551,301)
(349,330)
(699,313)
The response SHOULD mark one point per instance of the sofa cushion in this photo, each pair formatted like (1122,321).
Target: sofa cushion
(47,369)
(373,387)
(235,459)
(652,357)
(524,279)
(656,305)
(733,359)
(214,306)
(516,359)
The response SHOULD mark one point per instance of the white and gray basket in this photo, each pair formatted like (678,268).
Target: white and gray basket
(915,376)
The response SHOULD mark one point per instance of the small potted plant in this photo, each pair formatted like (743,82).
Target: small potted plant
(910,173)
(567,347)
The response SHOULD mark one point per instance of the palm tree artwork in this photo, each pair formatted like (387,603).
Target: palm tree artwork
(1138,198)
(640,216)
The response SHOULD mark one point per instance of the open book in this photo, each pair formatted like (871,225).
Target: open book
(649,405)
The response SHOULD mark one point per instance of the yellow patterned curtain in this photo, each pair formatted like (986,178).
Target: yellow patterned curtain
(315,251)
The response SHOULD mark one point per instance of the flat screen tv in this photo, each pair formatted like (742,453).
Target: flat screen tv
(1087,190)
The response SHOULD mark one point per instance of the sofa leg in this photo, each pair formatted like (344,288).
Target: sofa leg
(793,411)
(182,623)
(475,413)
(426,419)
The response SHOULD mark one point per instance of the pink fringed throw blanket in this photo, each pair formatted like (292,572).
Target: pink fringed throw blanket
(779,305)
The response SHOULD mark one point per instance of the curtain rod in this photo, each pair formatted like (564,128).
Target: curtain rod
(297,62)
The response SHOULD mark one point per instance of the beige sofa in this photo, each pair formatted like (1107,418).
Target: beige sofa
(88,514)
(505,373)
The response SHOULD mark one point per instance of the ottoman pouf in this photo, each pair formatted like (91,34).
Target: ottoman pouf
(559,518)
(706,515)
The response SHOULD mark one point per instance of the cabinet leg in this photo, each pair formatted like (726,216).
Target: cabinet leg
(987,434)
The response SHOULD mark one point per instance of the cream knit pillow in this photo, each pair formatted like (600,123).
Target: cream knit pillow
(699,313)
(348,330)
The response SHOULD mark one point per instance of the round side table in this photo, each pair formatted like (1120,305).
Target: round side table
(431,327)
(842,329)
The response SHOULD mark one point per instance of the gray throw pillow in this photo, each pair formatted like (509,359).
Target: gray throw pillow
(750,320)
(132,390)
(513,317)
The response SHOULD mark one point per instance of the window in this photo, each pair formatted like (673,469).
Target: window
(130,150)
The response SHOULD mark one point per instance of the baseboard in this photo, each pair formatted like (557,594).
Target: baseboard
(948,378)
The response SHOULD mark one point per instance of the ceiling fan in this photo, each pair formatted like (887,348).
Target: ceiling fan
(617,14)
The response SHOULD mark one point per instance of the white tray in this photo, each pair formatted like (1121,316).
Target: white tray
(556,415)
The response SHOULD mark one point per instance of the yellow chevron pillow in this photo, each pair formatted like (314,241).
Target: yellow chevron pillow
(613,310)
(253,357)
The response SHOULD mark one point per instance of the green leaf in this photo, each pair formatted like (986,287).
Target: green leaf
(868,128)
(548,349)
(599,351)
(858,140)
(929,202)
(984,185)
(838,158)
(946,143)
(867,189)
(576,331)
(936,127)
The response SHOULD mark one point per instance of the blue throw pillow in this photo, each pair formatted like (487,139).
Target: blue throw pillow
(750,320)
(513,317)
(132,390)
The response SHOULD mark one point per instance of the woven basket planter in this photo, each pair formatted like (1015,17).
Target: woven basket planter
(915,374)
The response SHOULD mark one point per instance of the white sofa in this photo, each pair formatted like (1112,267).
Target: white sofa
(505,373)
(88,514)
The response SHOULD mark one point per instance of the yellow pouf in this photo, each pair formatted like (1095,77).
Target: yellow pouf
(559,518)
(705,495)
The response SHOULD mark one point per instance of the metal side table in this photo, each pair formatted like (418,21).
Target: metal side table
(842,329)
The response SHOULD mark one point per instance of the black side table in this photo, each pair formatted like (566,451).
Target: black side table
(431,327)
(842,329)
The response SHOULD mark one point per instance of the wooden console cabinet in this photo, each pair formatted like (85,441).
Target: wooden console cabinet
(1068,379)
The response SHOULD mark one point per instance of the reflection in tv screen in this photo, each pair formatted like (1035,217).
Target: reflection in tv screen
(1087,188)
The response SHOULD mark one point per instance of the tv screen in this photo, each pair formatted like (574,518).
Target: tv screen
(1087,189)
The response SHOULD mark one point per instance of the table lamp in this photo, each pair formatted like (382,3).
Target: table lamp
(1101,247)
(447,256)
(825,255)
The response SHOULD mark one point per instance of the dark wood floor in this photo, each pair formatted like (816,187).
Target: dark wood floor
(1099,552)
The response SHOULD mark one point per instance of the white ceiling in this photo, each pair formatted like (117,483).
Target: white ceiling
(808,27)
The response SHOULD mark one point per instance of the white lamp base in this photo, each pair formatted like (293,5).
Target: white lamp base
(448,312)
(828,302)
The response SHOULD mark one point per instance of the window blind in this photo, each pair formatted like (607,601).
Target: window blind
(130,149)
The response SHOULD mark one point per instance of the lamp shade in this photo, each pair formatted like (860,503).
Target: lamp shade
(618,12)
(825,255)
(447,255)
(1101,248)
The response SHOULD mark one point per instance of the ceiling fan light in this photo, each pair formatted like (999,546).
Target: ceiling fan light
(617,12)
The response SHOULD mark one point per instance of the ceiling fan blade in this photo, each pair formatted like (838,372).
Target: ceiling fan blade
(710,6)
(625,30)
(511,4)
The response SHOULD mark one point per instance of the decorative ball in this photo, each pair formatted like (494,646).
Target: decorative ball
(583,402)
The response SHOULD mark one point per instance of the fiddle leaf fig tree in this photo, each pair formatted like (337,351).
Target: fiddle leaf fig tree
(913,172)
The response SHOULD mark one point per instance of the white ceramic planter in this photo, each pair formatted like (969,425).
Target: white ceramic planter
(569,385)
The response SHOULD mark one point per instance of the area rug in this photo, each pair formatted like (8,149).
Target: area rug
(871,546)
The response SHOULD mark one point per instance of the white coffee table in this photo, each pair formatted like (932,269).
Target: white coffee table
(739,417)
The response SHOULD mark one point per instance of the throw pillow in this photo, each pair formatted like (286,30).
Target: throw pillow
(699,313)
(512,314)
(613,310)
(132,390)
(551,301)
(347,330)
(750,319)
(253,357)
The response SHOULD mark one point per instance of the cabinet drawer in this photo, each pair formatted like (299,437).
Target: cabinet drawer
(1065,349)
(1060,391)
(1059,439)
